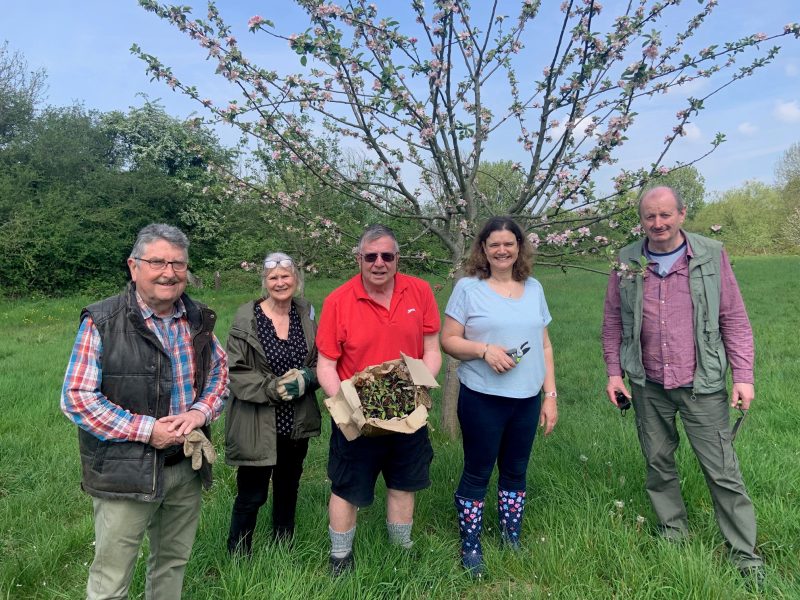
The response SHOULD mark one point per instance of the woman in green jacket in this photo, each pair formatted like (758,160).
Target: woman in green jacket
(272,411)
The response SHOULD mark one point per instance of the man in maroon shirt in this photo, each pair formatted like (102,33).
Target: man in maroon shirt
(673,326)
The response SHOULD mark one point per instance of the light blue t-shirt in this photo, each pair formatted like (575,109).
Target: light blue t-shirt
(489,318)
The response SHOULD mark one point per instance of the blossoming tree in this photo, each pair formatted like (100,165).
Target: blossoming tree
(425,98)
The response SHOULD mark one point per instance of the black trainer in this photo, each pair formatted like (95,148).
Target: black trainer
(753,578)
(342,566)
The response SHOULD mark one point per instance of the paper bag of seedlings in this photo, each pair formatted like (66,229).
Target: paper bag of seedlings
(391,397)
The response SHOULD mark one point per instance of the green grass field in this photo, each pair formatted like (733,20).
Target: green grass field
(577,545)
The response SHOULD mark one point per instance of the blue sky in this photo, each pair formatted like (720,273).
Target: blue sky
(84,47)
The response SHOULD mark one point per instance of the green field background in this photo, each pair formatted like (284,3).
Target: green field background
(576,543)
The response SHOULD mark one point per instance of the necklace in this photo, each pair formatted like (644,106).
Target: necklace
(502,288)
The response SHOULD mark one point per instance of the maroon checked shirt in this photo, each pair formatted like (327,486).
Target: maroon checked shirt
(667,337)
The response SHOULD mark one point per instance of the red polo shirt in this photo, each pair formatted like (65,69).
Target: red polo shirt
(357,332)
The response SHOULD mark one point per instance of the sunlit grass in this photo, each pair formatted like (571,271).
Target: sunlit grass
(578,543)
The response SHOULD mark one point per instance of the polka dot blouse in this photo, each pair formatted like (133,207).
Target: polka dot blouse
(282,355)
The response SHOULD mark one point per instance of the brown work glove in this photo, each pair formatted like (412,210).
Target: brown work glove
(293,383)
(197,445)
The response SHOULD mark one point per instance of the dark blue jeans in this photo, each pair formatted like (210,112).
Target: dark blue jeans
(498,430)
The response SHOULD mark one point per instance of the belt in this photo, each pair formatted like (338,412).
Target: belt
(172,458)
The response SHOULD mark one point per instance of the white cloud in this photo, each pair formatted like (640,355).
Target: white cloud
(692,132)
(789,112)
(747,128)
(791,70)
(579,131)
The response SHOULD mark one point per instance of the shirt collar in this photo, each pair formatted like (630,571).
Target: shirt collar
(361,292)
(689,253)
(178,309)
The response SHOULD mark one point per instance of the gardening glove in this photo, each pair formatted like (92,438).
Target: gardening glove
(197,445)
(294,383)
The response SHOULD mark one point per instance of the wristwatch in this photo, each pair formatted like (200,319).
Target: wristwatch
(551,394)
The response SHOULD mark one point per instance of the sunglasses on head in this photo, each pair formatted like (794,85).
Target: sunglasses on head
(285,263)
(386,257)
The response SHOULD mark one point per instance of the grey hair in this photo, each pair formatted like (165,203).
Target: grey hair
(277,256)
(374,232)
(159,231)
(663,188)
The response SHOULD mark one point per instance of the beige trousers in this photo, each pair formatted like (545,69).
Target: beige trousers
(171,524)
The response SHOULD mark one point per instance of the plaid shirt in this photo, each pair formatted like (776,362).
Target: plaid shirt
(84,403)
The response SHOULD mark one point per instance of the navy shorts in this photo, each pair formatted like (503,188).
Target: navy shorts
(403,459)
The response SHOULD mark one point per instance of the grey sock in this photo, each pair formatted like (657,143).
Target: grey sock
(341,543)
(400,534)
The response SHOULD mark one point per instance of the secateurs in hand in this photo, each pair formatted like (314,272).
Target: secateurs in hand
(518,353)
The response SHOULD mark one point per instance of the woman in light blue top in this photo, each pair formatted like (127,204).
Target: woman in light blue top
(496,325)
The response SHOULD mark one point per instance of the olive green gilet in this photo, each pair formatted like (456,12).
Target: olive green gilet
(704,286)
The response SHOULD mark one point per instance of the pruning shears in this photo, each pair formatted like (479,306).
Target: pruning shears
(737,424)
(518,353)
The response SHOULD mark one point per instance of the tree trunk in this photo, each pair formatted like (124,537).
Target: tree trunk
(450,397)
(451,383)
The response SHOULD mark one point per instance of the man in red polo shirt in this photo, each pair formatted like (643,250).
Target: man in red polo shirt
(370,319)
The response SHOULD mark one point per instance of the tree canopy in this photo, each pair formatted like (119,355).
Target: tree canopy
(421,97)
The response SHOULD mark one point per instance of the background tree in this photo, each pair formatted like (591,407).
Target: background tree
(419,100)
(75,189)
(689,183)
(787,170)
(750,219)
(20,91)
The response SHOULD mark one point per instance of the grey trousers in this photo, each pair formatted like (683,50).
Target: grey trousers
(705,419)
(120,526)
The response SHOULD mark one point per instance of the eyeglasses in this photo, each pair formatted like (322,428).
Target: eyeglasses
(386,257)
(158,264)
(284,262)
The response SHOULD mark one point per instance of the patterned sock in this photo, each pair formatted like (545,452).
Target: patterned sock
(400,534)
(341,543)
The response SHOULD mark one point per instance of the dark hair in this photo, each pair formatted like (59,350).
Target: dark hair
(477,265)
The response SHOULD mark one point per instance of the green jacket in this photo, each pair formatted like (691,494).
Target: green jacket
(250,429)
(704,284)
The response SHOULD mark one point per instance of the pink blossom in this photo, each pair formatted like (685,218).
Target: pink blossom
(254,22)
(663,170)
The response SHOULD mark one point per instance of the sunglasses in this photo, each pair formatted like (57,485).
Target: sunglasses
(386,257)
(285,263)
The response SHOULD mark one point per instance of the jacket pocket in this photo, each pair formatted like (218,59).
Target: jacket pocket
(247,438)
